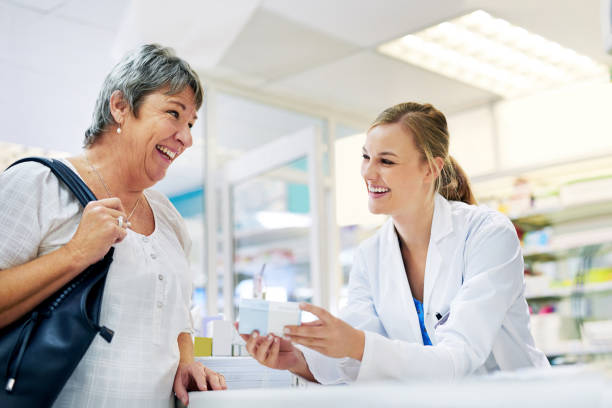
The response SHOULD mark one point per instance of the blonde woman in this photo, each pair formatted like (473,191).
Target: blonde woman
(437,292)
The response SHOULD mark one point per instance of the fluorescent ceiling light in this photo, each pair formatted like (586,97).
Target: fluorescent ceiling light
(492,54)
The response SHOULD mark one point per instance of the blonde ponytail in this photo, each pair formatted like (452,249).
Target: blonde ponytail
(454,183)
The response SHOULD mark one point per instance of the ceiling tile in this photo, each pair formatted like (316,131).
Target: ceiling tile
(53,45)
(366,22)
(199,30)
(40,6)
(244,124)
(369,82)
(270,46)
(106,14)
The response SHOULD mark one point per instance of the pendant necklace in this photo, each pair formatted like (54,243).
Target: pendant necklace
(108,192)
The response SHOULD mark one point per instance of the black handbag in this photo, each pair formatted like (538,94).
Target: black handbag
(40,351)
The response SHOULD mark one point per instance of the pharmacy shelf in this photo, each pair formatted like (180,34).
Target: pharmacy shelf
(537,219)
(569,245)
(265,236)
(578,349)
(570,290)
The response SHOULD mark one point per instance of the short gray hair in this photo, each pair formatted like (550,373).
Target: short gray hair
(147,69)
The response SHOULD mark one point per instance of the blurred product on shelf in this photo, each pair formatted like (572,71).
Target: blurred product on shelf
(586,191)
(206,325)
(598,333)
(222,333)
(258,284)
(537,239)
(563,218)
(521,199)
(545,328)
(202,346)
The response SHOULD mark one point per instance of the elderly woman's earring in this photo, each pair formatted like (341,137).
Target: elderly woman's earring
(118,129)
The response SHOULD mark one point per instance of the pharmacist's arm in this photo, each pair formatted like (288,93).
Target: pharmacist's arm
(302,369)
(359,313)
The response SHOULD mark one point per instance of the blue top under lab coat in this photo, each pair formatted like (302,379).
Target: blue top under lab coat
(419,308)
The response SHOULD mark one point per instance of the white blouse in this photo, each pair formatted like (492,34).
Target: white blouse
(146,297)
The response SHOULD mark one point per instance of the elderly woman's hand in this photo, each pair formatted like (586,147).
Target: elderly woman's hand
(194,376)
(328,335)
(98,230)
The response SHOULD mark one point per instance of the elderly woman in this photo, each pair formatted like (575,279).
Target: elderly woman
(141,124)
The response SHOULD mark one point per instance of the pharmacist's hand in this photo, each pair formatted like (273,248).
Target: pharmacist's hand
(271,351)
(329,335)
(194,376)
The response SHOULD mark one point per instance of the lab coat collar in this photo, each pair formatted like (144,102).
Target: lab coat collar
(441,227)
(442,222)
(398,295)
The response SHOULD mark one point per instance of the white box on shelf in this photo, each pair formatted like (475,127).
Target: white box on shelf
(222,333)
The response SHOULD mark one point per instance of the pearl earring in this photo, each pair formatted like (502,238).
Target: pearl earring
(118,129)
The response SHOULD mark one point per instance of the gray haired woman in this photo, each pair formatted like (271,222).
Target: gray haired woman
(141,124)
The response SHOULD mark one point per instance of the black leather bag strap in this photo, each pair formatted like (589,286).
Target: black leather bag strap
(68,177)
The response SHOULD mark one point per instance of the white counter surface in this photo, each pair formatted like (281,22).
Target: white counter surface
(560,387)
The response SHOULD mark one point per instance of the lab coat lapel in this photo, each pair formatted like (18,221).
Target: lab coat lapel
(397,296)
(441,226)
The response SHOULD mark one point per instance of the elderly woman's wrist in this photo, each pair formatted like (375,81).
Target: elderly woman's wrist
(74,258)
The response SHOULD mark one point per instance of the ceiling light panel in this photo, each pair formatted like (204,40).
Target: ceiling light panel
(492,54)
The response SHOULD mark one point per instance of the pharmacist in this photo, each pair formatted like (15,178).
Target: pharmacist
(437,292)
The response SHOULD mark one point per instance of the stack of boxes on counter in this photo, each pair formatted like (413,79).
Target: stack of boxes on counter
(224,351)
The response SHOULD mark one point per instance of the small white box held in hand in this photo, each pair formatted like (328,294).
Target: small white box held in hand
(267,317)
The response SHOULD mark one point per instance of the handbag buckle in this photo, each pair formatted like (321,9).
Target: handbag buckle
(10,384)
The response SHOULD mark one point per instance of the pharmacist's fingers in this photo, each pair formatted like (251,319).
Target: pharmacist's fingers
(251,342)
(311,324)
(264,347)
(321,313)
(318,332)
(309,342)
(245,337)
(273,353)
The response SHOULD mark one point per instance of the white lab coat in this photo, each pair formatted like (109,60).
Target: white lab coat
(473,278)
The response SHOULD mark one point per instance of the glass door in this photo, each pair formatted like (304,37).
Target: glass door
(273,215)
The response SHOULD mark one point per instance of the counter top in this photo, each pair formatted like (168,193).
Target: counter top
(574,386)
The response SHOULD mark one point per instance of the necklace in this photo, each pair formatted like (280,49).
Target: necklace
(108,192)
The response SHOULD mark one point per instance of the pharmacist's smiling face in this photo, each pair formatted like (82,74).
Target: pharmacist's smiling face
(395,173)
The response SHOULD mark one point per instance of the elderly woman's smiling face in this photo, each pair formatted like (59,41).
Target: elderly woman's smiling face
(159,132)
